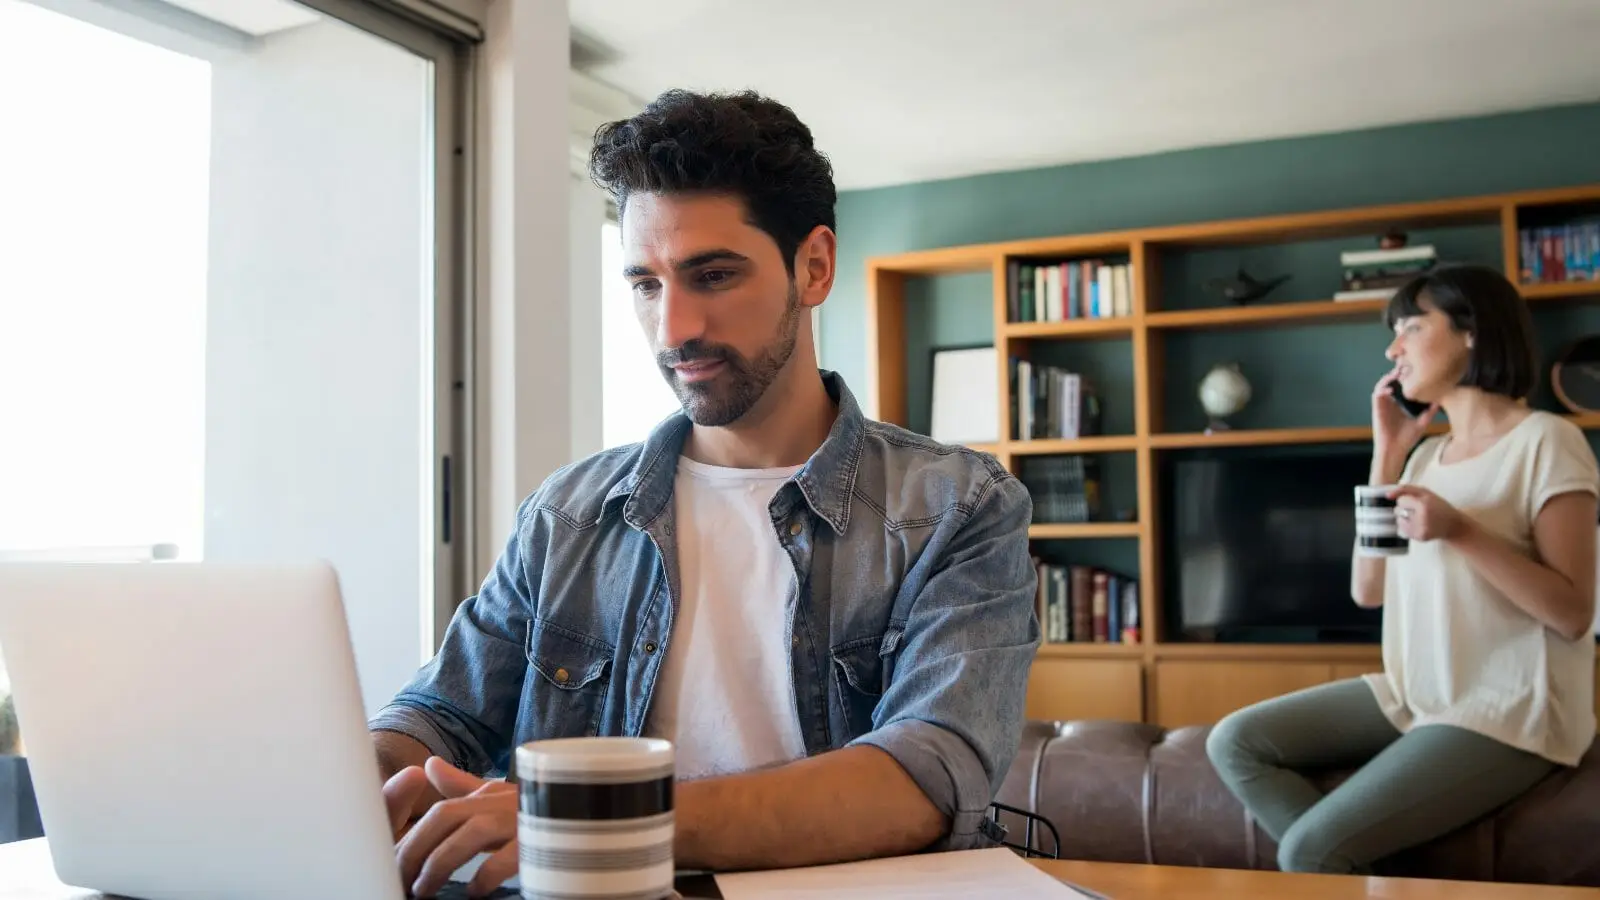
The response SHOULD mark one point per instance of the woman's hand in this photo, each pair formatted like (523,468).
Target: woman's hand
(1394,431)
(1422,515)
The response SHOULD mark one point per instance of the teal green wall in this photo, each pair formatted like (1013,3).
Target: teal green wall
(1542,148)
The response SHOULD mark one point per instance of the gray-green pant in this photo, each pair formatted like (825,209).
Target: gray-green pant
(1408,790)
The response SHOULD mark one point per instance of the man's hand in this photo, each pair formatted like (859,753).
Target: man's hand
(475,816)
(843,805)
(407,795)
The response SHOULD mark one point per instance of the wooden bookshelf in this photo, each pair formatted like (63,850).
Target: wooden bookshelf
(1112,327)
(1161,678)
(1099,444)
(1091,650)
(1262,437)
(1560,290)
(1265,314)
(1070,530)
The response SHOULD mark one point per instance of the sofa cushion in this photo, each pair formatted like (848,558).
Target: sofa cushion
(1134,792)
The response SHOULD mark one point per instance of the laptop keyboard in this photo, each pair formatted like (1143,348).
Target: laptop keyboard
(457,890)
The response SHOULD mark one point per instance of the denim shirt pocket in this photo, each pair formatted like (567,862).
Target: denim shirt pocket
(861,672)
(568,678)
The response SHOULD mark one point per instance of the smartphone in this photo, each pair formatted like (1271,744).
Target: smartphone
(1412,407)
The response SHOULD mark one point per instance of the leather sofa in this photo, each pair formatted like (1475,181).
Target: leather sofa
(1139,793)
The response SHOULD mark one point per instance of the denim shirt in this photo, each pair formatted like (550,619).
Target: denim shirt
(912,627)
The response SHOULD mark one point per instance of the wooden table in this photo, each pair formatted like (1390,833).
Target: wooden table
(1121,881)
(26,874)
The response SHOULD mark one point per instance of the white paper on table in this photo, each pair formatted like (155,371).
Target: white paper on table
(967,874)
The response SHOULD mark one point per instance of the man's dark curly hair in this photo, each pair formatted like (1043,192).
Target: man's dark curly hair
(741,144)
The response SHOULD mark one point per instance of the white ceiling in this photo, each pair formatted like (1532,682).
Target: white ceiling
(911,90)
(255,17)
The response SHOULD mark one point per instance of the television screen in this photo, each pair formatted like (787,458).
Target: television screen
(1258,545)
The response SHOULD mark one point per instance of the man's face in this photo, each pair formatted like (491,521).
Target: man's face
(714,298)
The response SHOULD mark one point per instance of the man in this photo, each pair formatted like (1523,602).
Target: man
(831,617)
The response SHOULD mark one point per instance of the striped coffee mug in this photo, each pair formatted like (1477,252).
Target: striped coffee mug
(1377,531)
(595,819)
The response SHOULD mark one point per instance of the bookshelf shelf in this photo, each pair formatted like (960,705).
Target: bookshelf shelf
(1274,436)
(1560,290)
(1100,444)
(1112,327)
(1325,652)
(1262,437)
(1084,649)
(1075,530)
(1145,364)
(1267,313)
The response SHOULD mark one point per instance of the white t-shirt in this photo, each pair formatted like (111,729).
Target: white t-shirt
(724,695)
(1458,652)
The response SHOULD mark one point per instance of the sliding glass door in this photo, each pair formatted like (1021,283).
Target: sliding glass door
(233,304)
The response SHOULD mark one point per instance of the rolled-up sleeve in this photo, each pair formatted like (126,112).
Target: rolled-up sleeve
(953,711)
(462,705)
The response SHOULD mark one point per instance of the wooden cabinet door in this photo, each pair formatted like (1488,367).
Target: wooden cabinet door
(1342,671)
(1196,692)
(1064,689)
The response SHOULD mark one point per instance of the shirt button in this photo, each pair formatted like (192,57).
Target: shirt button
(795,529)
(649,646)
(796,641)
(562,676)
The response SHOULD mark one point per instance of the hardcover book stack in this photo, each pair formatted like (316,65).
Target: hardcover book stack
(1569,252)
(1051,402)
(1063,488)
(1076,289)
(1377,274)
(1087,605)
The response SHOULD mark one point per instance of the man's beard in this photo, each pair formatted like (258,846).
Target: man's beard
(725,399)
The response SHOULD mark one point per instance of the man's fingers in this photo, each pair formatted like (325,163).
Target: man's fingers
(494,871)
(401,794)
(480,833)
(444,818)
(429,832)
(449,780)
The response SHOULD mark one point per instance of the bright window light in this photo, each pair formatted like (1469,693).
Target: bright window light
(102,287)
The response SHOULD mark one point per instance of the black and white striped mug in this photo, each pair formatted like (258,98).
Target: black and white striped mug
(1377,529)
(595,819)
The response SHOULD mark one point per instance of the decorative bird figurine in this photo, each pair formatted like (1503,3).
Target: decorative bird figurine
(1243,287)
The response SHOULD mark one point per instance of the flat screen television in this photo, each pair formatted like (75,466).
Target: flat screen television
(1257,545)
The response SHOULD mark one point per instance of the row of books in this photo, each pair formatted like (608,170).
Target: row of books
(1568,252)
(1063,488)
(1058,291)
(1052,402)
(1377,274)
(1086,605)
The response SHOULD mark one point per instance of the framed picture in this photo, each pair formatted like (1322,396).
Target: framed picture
(966,395)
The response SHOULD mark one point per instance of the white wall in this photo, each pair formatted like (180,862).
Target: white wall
(316,338)
(525,289)
(587,217)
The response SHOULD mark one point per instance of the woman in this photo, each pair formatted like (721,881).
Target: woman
(1488,658)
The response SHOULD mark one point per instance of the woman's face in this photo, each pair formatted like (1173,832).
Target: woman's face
(1430,355)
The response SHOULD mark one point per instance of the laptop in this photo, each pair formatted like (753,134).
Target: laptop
(196,730)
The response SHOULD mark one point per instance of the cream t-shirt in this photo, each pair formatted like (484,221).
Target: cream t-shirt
(1456,651)
(725,695)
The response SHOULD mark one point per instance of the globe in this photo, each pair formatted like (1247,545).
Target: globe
(1223,391)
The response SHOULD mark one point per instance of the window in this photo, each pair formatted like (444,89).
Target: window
(225,313)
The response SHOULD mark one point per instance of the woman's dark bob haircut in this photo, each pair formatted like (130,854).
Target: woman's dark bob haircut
(1478,301)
